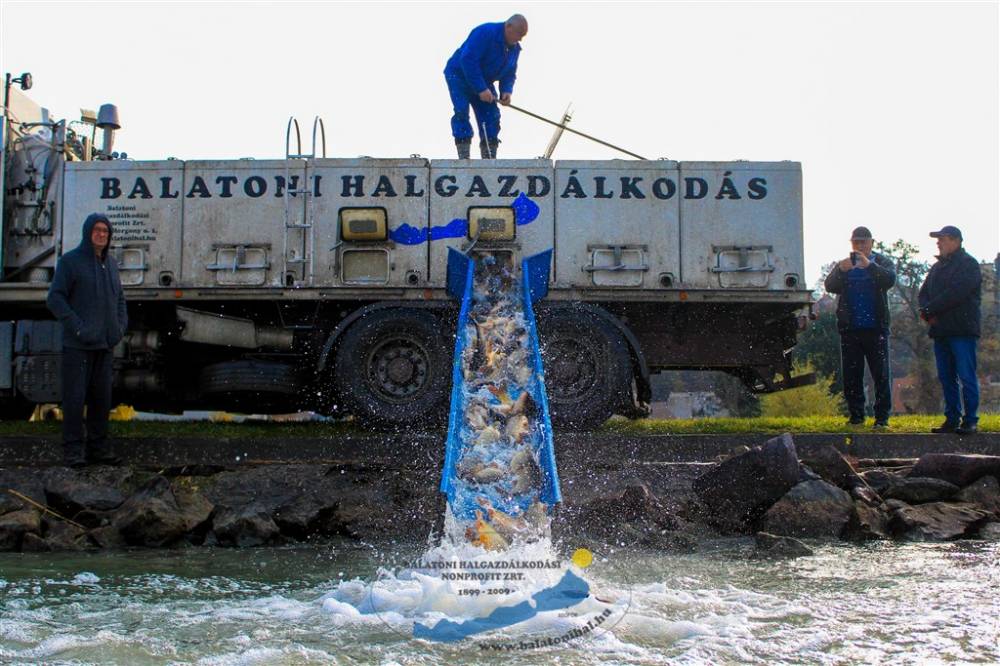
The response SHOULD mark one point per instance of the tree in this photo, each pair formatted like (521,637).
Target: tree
(819,347)
(911,352)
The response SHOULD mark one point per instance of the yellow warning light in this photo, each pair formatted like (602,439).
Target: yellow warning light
(492,223)
(364,224)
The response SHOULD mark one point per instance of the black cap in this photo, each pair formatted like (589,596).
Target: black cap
(861,233)
(949,230)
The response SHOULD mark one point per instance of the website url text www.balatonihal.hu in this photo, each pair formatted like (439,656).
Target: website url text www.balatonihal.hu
(570,635)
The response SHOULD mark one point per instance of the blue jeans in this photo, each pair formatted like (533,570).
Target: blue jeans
(486,114)
(956,362)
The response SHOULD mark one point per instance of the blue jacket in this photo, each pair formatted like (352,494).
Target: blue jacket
(483,58)
(951,294)
(883,274)
(86,294)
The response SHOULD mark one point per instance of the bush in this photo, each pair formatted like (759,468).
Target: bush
(813,400)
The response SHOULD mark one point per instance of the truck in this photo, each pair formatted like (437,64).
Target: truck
(319,283)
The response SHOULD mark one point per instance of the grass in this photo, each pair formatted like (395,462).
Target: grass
(921,423)
(713,426)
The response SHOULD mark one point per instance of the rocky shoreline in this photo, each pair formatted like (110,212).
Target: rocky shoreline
(771,491)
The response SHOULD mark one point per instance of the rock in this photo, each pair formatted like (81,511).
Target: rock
(895,505)
(773,545)
(107,536)
(960,469)
(60,535)
(247,526)
(990,531)
(833,467)
(70,492)
(936,521)
(806,474)
(920,490)
(867,495)
(740,490)
(32,543)
(15,524)
(151,517)
(193,507)
(985,493)
(866,523)
(633,515)
(810,509)
(24,481)
(302,517)
(880,479)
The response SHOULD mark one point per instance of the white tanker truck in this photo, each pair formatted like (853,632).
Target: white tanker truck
(320,283)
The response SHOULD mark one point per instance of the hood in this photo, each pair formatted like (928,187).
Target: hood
(88,226)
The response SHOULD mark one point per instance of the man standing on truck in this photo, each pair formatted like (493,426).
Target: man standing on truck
(87,297)
(861,282)
(949,302)
(489,54)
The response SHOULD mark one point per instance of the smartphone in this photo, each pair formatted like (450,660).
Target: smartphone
(854,258)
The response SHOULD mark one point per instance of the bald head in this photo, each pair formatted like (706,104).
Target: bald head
(514,29)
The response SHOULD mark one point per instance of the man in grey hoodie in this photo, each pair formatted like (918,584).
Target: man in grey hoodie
(87,297)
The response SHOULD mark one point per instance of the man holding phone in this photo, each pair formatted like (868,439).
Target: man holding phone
(861,282)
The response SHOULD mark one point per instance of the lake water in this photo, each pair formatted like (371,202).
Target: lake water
(294,605)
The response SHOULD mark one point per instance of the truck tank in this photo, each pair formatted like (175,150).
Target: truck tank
(320,283)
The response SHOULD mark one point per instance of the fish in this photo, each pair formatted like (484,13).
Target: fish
(524,404)
(488,435)
(501,395)
(483,534)
(477,416)
(480,473)
(517,428)
(527,475)
(507,525)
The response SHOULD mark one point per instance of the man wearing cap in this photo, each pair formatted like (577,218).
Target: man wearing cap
(87,297)
(489,54)
(861,281)
(950,303)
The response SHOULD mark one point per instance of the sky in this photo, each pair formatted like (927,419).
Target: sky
(893,109)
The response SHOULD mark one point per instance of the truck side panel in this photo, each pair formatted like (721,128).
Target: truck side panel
(144,201)
(397,187)
(741,225)
(457,185)
(235,214)
(616,223)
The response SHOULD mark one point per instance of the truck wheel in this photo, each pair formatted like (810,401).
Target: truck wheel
(261,385)
(588,370)
(393,369)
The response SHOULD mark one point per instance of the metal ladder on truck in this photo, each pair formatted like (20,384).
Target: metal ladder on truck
(300,252)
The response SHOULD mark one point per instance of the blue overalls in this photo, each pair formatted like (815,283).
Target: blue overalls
(483,58)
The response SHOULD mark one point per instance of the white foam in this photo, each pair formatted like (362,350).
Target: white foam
(85,578)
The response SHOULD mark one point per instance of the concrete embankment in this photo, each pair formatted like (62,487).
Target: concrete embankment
(658,491)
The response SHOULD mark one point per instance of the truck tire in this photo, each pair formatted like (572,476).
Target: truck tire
(588,370)
(393,369)
(258,385)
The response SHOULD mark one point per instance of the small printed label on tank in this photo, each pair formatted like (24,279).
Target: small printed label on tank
(131,224)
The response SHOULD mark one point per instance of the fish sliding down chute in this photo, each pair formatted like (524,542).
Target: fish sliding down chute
(500,471)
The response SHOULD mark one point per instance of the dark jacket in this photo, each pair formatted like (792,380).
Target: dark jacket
(951,294)
(485,57)
(86,294)
(882,272)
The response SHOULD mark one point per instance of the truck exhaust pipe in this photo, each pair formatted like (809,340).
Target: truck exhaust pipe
(107,120)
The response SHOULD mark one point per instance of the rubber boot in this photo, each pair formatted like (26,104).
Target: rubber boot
(488,150)
(463,145)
